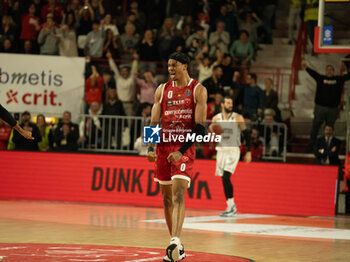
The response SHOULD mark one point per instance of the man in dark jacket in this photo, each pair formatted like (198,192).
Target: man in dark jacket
(27,144)
(327,101)
(327,148)
(66,134)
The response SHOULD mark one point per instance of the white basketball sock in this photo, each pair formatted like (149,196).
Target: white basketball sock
(230,202)
(175,240)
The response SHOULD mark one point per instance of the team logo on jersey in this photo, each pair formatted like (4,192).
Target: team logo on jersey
(188,92)
(185,158)
(170,103)
(151,134)
(170,94)
(187,101)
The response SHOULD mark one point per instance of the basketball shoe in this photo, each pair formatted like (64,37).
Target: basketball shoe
(174,253)
(229,212)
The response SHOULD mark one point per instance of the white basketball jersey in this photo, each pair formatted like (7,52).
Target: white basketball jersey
(231,135)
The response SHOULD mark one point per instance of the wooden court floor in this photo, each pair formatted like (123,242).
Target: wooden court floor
(255,237)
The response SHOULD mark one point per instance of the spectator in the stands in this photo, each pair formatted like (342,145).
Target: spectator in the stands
(52,8)
(22,143)
(230,20)
(112,127)
(228,70)
(125,83)
(271,133)
(271,98)
(130,19)
(213,83)
(256,145)
(251,98)
(47,37)
(7,46)
(327,100)
(251,24)
(242,50)
(219,39)
(129,41)
(8,29)
(90,127)
(67,41)
(94,41)
(5,132)
(214,107)
(107,24)
(165,38)
(30,25)
(268,18)
(327,148)
(204,65)
(27,47)
(147,87)
(93,88)
(111,44)
(112,106)
(69,19)
(97,8)
(195,48)
(46,143)
(108,81)
(140,21)
(310,18)
(148,49)
(85,17)
(293,20)
(66,134)
(198,35)
(140,147)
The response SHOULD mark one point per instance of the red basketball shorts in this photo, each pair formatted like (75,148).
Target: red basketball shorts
(166,172)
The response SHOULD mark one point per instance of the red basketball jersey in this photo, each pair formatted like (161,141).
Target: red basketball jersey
(178,108)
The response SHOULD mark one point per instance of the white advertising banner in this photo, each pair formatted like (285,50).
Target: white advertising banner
(42,84)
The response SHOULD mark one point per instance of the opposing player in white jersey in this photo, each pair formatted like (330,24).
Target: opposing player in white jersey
(228,151)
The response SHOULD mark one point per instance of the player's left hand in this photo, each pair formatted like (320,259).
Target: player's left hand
(248,157)
(174,157)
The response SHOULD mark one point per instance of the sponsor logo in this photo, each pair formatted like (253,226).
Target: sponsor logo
(12,96)
(176,112)
(329,82)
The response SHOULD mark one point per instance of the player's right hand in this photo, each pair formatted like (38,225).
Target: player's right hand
(151,156)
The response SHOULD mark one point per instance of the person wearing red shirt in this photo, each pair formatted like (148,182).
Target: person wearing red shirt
(256,146)
(54,9)
(5,132)
(93,87)
(30,25)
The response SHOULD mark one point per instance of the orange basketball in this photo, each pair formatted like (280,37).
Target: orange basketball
(217,129)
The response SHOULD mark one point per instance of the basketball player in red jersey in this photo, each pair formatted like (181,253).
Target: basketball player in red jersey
(180,107)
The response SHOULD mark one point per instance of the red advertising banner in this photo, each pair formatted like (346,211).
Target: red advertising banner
(267,188)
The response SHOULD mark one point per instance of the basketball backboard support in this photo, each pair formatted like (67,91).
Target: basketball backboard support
(319,45)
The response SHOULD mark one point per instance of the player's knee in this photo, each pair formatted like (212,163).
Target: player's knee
(167,201)
(179,197)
